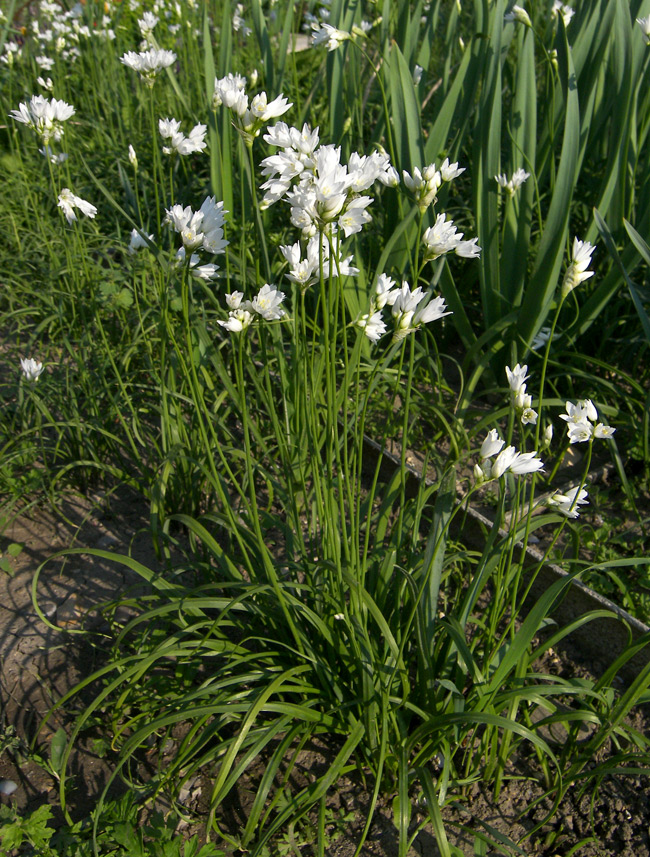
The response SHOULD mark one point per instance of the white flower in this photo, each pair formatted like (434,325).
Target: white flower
(577,271)
(409,312)
(46,84)
(133,158)
(238,22)
(237,321)
(567,504)
(325,34)
(581,422)
(44,116)
(644,24)
(528,416)
(541,338)
(200,228)
(54,158)
(417,74)
(602,431)
(519,463)
(169,129)
(516,377)
(234,300)
(449,172)
(518,13)
(267,303)
(229,90)
(68,201)
(149,63)
(424,185)
(443,237)
(147,24)
(45,63)
(385,292)
(565,11)
(548,435)
(511,185)
(372,325)
(137,242)
(491,445)
(31,368)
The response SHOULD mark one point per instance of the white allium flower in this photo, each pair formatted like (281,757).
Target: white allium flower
(409,312)
(45,63)
(443,237)
(237,321)
(581,422)
(417,75)
(548,435)
(518,463)
(516,377)
(514,183)
(149,63)
(133,158)
(68,201)
(267,303)
(31,368)
(491,445)
(169,129)
(234,300)
(568,503)
(45,83)
(528,416)
(565,11)
(325,34)
(372,325)
(200,228)
(577,271)
(449,172)
(228,90)
(44,116)
(424,185)
(56,158)
(238,22)
(603,431)
(518,13)
(137,242)
(147,24)
(644,24)
(384,291)
(541,338)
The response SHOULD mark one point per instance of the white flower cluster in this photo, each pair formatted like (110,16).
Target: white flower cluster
(518,15)
(170,129)
(68,201)
(202,228)
(410,310)
(582,422)
(319,188)
(443,237)
(306,272)
(559,8)
(522,400)
(425,183)
(238,22)
(577,271)
(507,460)
(31,368)
(249,118)
(514,183)
(567,504)
(148,63)
(266,305)
(44,116)
(326,34)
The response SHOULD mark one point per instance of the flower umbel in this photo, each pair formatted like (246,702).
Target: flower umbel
(31,368)
(577,271)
